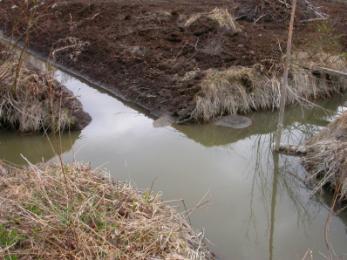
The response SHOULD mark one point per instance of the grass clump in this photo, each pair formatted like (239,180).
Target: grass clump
(75,212)
(220,15)
(32,101)
(240,89)
(8,237)
(326,157)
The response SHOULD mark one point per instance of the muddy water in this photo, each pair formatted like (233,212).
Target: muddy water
(248,206)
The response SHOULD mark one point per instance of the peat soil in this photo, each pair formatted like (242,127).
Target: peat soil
(140,50)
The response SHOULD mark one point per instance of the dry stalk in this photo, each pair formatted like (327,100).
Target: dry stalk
(103,218)
(284,85)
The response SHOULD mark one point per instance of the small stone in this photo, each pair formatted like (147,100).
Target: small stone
(234,121)
(138,50)
(163,121)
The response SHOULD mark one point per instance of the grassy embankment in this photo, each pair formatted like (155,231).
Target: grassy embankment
(53,212)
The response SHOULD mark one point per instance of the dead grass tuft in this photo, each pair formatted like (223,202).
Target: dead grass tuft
(221,15)
(31,101)
(243,89)
(79,213)
(326,157)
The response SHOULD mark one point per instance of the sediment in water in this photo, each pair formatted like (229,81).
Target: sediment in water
(72,211)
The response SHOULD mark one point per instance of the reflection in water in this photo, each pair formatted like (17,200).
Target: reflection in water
(35,147)
(276,173)
(258,207)
(263,123)
(274,176)
(269,187)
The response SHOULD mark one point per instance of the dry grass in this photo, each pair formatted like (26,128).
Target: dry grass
(326,157)
(243,89)
(79,213)
(32,101)
(221,15)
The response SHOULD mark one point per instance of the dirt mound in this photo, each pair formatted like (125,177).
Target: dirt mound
(142,50)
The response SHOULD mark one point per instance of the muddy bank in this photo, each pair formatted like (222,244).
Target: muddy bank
(32,101)
(325,157)
(72,211)
(193,60)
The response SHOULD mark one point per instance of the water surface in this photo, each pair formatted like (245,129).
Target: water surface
(254,209)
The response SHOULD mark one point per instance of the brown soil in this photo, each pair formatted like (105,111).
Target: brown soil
(141,49)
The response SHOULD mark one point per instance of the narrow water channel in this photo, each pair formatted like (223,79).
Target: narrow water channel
(254,209)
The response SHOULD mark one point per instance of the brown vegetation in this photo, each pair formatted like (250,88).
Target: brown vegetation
(73,212)
(32,101)
(243,89)
(326,157)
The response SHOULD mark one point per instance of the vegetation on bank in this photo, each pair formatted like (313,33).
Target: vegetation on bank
(243,90)
(325,158)
(74,212)
(195,60)
(32,101)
